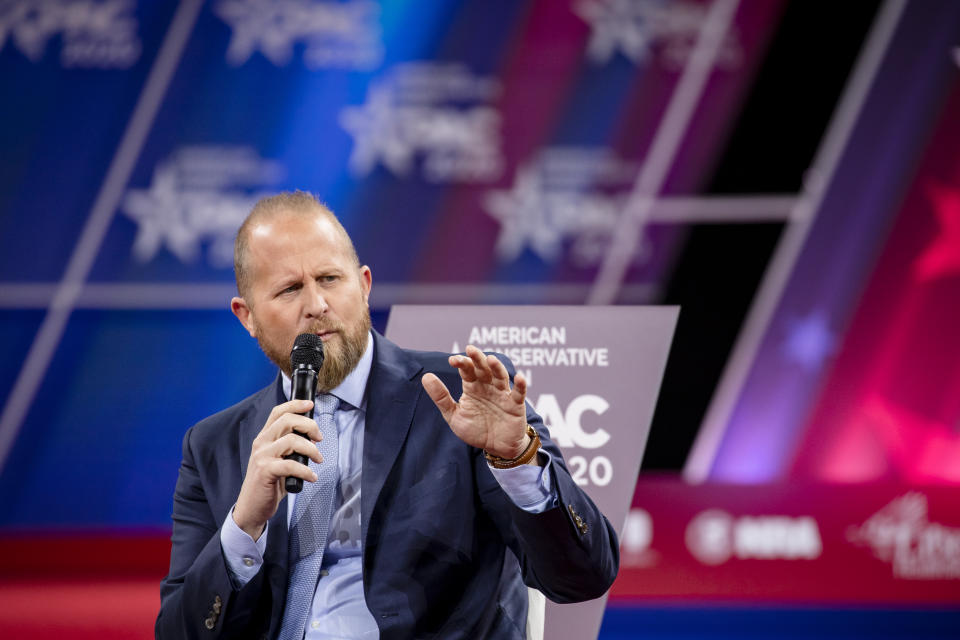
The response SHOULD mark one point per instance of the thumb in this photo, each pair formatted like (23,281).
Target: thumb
(440,395)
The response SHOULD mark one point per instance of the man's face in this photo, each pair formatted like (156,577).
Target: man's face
(303,279)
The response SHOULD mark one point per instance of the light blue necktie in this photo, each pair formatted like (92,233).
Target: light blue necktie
(310,524)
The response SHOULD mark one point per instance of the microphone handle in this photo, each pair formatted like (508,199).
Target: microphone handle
(303,386)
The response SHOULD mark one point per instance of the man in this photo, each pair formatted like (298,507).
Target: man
(421,515)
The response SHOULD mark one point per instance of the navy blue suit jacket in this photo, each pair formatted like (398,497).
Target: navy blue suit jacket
(445,551)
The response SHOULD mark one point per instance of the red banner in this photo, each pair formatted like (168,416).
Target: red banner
(844,544)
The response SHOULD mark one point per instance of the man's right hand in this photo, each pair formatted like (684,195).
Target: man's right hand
(262,488)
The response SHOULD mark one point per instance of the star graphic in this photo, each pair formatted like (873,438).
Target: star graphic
(31,27)
(524,218)
(809,340)
(270,27)
(158,212)
(377,134)
(616,26)
(942,256)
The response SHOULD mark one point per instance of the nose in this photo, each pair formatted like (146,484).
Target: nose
(315,304)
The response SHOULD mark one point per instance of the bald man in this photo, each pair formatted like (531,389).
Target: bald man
(444,494)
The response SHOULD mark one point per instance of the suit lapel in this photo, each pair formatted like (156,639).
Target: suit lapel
(393,390)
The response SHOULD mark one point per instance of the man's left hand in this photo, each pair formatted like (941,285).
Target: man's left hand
(490,415)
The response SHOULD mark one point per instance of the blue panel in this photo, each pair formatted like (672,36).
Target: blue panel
(60,124)
(18,328)
(109,418)
(738,623)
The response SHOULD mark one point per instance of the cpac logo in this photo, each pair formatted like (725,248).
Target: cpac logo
(336,35)
(94,33)
(564,195)
(566,427)
(635,28)
(199,194)
(714,536)
(901,534)
(440,113)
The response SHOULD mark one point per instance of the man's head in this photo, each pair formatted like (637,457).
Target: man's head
(297,272)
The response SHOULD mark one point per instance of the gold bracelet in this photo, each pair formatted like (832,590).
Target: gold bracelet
(508,463)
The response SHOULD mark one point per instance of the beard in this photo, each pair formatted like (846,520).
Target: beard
(341,352)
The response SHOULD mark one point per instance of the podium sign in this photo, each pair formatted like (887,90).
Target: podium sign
(593,373)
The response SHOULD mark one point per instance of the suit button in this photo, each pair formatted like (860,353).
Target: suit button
(209,623)
(577,520)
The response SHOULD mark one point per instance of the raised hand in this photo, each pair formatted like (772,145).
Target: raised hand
(490,415)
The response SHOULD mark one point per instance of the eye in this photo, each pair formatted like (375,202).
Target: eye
(291,289)
(329,278)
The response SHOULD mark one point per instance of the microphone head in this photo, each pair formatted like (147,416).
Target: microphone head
(307,350)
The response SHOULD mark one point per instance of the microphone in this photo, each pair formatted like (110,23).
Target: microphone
(306,358)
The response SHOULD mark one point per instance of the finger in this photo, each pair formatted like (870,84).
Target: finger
(292,406)
(465,365)
(281,468)
(440,395)
(519,393)
(294,443)
(290,422)
(484,374)
(268,470)
(501,378)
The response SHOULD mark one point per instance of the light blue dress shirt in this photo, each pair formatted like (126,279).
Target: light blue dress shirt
(339,610)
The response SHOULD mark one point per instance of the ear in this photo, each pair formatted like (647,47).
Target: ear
(366,282)
(244,315)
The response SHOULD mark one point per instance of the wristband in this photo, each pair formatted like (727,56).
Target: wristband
(508,463)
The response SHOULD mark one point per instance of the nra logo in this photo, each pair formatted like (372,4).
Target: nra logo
(715,536)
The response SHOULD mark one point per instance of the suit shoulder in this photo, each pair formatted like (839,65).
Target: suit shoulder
(433,361)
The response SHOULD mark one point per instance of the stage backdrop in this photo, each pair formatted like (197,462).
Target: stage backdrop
(478,151)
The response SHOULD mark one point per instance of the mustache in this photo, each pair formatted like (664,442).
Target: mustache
(320,327)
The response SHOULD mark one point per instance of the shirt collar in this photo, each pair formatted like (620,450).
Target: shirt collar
(353,387)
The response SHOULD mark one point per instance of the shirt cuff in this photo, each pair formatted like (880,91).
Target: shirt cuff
(244,557)
(529,487)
